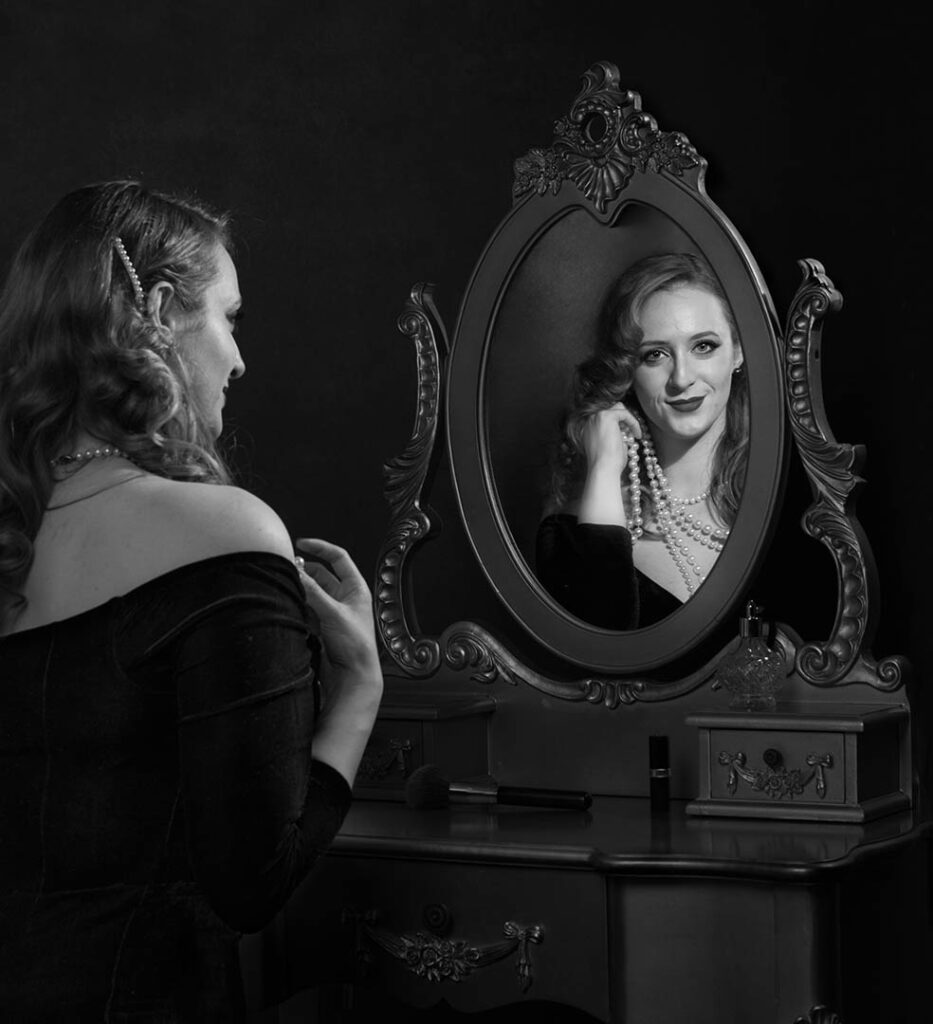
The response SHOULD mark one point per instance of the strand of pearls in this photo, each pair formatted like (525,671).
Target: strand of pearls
(677,526)
(636,519)
(89,453)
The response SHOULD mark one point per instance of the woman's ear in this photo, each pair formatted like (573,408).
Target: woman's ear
(738,358)
(162,308)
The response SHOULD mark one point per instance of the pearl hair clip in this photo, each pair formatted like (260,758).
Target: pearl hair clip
(131,271)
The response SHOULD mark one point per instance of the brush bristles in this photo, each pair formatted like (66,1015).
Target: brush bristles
(427,787)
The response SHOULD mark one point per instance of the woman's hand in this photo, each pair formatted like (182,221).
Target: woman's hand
(605,442)
(605,437)
(351,676)
(341,602)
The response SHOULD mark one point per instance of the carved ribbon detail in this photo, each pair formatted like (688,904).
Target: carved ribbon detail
(439,959)
(776,780)
(600,144)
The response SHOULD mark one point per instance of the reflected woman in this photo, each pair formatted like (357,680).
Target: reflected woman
(650,467)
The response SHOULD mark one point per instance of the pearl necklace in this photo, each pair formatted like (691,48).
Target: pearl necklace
(675,523)
(89,453)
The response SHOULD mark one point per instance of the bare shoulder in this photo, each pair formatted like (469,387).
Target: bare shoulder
(91,550)
(194,521)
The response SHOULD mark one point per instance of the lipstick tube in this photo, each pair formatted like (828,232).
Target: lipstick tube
(659,772)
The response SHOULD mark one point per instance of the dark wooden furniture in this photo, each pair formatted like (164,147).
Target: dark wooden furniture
(628,916)
(762,895)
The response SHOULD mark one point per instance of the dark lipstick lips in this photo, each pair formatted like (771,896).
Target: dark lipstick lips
(688,405)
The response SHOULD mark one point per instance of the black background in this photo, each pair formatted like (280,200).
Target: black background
(366,145)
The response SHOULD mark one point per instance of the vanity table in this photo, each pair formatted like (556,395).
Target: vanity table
(789,880)
(625,915)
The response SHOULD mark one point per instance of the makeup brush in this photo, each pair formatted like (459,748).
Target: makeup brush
(428,787)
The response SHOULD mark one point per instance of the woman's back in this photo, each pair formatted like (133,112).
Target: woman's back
(153,646)
(159,793)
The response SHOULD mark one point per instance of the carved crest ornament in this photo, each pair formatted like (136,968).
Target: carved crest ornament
(604,141)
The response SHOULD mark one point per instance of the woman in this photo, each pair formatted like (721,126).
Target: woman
(650,468)
(170,771)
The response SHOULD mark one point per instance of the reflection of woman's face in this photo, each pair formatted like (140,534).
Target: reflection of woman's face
(683,373)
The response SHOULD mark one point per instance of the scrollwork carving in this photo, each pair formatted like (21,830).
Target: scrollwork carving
(405,479)
(467,647)
(833,470)
(600,144)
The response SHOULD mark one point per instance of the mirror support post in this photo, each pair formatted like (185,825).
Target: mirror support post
(833,470)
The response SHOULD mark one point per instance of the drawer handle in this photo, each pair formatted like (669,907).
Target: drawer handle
(775,779)
(379,764)
(437,959)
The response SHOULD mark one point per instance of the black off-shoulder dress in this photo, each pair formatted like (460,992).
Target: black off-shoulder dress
(588,569)
(158,794)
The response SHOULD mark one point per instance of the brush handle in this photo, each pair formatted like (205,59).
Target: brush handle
(522,796)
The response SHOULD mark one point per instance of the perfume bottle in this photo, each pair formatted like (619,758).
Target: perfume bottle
(753,672)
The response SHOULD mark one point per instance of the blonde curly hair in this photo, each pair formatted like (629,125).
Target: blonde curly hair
(79,352)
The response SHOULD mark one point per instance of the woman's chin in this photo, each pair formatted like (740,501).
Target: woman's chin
(685,428)
(212,426)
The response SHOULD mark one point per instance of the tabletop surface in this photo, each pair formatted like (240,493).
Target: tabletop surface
(620,835)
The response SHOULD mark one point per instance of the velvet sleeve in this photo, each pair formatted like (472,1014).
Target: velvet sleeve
(588,569)
(258,809)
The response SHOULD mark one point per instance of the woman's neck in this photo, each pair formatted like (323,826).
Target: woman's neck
(688,463)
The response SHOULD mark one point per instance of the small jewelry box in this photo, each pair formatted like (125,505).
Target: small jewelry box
(804,760)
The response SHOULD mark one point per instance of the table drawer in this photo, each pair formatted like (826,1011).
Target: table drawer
(804,766)
(474,935)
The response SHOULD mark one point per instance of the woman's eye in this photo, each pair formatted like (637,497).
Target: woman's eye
(236,319)
(706,347)
(652,356)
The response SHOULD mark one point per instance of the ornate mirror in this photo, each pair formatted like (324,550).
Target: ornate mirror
(612,191)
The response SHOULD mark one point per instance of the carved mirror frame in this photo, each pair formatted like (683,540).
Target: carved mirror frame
(606,154)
